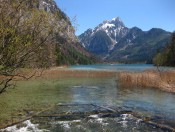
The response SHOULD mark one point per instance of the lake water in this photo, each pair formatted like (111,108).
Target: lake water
(115,67)
(101,105)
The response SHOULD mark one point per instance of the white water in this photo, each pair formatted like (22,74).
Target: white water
(26,126)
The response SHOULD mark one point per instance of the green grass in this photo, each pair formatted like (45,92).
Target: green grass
(27,96)
(35,96)
(32,95)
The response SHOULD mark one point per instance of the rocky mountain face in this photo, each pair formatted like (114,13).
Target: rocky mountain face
(66,48)
(114,42)
(112,31)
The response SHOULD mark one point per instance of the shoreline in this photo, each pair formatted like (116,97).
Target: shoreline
(152,78)
(163,80)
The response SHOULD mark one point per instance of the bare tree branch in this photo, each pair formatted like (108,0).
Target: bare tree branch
(25,33)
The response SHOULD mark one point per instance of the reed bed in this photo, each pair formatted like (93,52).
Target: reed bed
(164,80)
(63,73)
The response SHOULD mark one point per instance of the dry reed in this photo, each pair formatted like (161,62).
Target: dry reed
(62,73)
(164,80)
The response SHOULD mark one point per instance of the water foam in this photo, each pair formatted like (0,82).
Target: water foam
(27,126)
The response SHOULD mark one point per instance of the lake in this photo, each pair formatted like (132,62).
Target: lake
(115,67)
(99,104)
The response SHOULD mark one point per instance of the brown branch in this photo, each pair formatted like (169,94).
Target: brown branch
(6,85)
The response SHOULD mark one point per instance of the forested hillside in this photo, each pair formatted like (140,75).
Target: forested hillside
(36,34)
(166,57)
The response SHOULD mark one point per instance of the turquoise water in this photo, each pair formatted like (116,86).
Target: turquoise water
(89,104)
(91,101)
(116,67)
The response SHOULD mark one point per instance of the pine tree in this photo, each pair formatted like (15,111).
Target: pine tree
(167,56)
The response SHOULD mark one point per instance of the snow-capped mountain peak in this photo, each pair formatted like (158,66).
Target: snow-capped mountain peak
(114,29)
(113,41)
(107,24)
(117,18)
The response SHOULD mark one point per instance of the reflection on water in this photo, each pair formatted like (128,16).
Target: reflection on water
(101,94)
(149,102)
(106,92)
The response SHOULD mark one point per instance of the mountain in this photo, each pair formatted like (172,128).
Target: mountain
(66,48)
(114,42)
(112,30)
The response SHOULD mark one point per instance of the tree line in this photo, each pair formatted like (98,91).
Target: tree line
(167,56)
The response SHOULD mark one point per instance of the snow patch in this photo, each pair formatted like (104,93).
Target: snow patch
(107,25)
(83,45)
(126,46)
(112,47)
(134,36)
(105,57)
(114,19)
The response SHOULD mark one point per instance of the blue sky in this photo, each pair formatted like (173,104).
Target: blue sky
(144,14)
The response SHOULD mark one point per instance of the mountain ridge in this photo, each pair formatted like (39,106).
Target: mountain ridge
(126,43)
(66,49)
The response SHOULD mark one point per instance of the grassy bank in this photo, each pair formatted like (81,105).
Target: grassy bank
(164,80)
(40,93)
(27,98)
